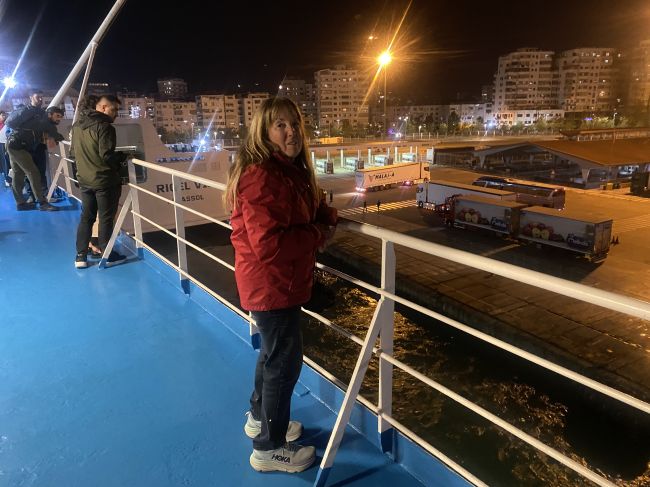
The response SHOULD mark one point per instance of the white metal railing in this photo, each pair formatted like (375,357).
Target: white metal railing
(381,325)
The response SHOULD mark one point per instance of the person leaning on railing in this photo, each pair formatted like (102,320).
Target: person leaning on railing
(29,126)
(279,219)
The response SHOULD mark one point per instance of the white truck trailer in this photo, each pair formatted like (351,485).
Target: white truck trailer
(583,232)
(432,193)
(500,216)
(376,178)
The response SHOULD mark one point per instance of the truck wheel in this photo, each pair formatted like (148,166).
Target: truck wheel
(420,204)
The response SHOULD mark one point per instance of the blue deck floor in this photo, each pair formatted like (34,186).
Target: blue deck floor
(115,378)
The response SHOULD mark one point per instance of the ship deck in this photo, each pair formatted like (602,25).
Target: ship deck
(116,378)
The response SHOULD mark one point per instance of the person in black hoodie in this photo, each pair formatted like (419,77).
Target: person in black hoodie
(98,173)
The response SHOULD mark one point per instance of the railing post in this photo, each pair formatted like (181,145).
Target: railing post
(386,334)
(116,230)
(135,204)
(179,219)
(380,316)
(66,168)
(62,168)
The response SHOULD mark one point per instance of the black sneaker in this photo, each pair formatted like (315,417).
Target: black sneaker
(93,254)
(25,206)
(81,262)
(114,258)
(45,206)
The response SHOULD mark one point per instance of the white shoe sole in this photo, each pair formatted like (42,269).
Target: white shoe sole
(252,432)
(273,466)
(81,265)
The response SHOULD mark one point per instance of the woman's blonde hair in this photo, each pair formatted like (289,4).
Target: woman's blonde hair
(257,147)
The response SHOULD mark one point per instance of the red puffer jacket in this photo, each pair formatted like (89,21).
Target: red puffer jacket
(274,235)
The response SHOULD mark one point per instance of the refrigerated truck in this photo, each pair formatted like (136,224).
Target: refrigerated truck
(584,232)
(500,216)
(376,178)
(432,193)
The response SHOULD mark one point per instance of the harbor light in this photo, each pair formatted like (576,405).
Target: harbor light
(384,58)
(9,82)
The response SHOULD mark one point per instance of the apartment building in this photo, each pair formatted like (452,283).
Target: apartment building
(436,113)
(134,106)
(524,117)
(340,98)
(639,87)
(587,79)
(218,112)
(172,88)
(176,116)
(525,79)
(249,103)
(303,94)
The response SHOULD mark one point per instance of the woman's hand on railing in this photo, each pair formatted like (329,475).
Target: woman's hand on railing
(327,231)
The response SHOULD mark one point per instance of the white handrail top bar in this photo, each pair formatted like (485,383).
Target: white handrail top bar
(606,299)
(180,174)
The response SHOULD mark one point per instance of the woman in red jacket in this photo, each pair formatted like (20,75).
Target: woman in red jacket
(279,220)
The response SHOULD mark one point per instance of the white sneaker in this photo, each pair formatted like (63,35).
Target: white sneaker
(292,457)
(253,428)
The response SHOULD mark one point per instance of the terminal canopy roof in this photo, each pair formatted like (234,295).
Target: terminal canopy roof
(608,152)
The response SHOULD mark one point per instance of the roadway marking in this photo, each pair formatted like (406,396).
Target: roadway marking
(631,224)
(614,196)
(372,208)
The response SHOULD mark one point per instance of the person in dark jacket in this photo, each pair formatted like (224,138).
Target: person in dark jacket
(4,156)
(98,173)
(39,151)
(29,126)
(279,220)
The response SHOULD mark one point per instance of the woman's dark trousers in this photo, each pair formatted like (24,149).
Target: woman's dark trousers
(277,371)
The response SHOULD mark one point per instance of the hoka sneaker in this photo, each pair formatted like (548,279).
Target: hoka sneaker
(253,428)
(292,457)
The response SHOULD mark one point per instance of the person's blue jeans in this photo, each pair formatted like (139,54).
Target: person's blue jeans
(277,371)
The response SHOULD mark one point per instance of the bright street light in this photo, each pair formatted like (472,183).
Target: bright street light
(9,82)
(384,58)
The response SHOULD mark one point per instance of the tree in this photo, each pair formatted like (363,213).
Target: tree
(171,136)
(453,120)
(517,128)
(430,123)
(540,124)
(346,129)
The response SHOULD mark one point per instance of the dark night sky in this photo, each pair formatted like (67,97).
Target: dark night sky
(453,46)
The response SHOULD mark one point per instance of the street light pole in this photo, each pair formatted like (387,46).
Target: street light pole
(385,97)
(384,60)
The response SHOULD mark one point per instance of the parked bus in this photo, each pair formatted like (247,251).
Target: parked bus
(538,194)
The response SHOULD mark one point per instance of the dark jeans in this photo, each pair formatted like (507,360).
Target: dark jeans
(97,202)
(4,160)
(276,374)
(39,155)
